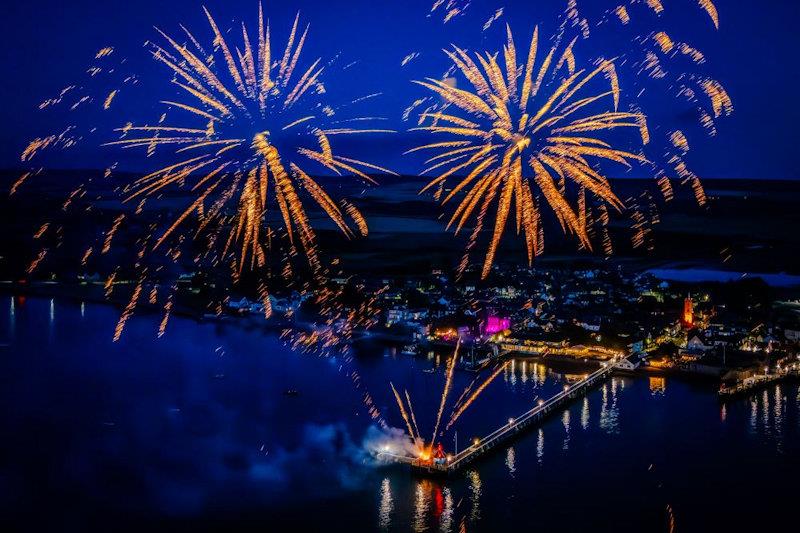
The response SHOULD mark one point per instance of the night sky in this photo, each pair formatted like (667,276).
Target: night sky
(50,45)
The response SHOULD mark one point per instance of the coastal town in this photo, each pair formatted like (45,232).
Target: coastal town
(733,332)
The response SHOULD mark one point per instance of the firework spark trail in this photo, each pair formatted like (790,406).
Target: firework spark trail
(86,255)
(221,135)
(37,261)
(129,310)
(403,413)
(457,414)
(446,392)
(502,126)
(162,328)
(246,88)
(111,232)
(467,398)
(413,416)
(17,184)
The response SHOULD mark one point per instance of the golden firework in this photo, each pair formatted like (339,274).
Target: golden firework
(525,128)
(467,398)
(239,101)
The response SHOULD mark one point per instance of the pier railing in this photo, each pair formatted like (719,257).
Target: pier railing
(515,425)
(534,414)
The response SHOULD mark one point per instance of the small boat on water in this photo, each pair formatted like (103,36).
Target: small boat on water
(409,349)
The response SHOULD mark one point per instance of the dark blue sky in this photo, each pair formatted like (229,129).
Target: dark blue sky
(50,46)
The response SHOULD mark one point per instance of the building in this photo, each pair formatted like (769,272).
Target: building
(628,364)
(496,324)
(688,313)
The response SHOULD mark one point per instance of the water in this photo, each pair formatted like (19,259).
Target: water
(194,431)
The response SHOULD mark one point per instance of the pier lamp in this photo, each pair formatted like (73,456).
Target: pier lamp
(476,441)
(510,421)
(566,388)
(540,402)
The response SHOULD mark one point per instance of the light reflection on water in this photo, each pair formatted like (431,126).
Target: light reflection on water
(511,461)
(585,413)
(433,508)
(767,420)
(476,491)
(421,506)
(386,506)
(565,421)
(609,414)
(658,385)
(446,520)
(12,319)
(540,446)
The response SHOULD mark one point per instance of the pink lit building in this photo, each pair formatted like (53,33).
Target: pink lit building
(496,324)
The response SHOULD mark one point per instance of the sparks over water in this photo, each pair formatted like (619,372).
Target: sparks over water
(468,396)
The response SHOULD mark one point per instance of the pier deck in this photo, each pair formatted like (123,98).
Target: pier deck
(514,426)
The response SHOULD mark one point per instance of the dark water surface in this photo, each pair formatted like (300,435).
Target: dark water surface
(194,431)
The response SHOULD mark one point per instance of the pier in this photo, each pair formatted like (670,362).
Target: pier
(513,427)
(758,381)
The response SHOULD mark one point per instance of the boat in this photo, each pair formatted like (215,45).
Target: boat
(409,349)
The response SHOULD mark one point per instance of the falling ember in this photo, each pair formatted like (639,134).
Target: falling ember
(128,311)
(679,141)
(110,234)
(104,52)
(720,101)
(17,184)
(357,217)
(109,99)
(665,185)
(86,256)
(108,287)
(711,9)
(664,42)
(512,122)
(36,262)
(35,145)
(622,13)
(41,232)
(162,328)
(655,5)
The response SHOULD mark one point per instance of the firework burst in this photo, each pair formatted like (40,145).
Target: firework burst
(235,104)
(524,131)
